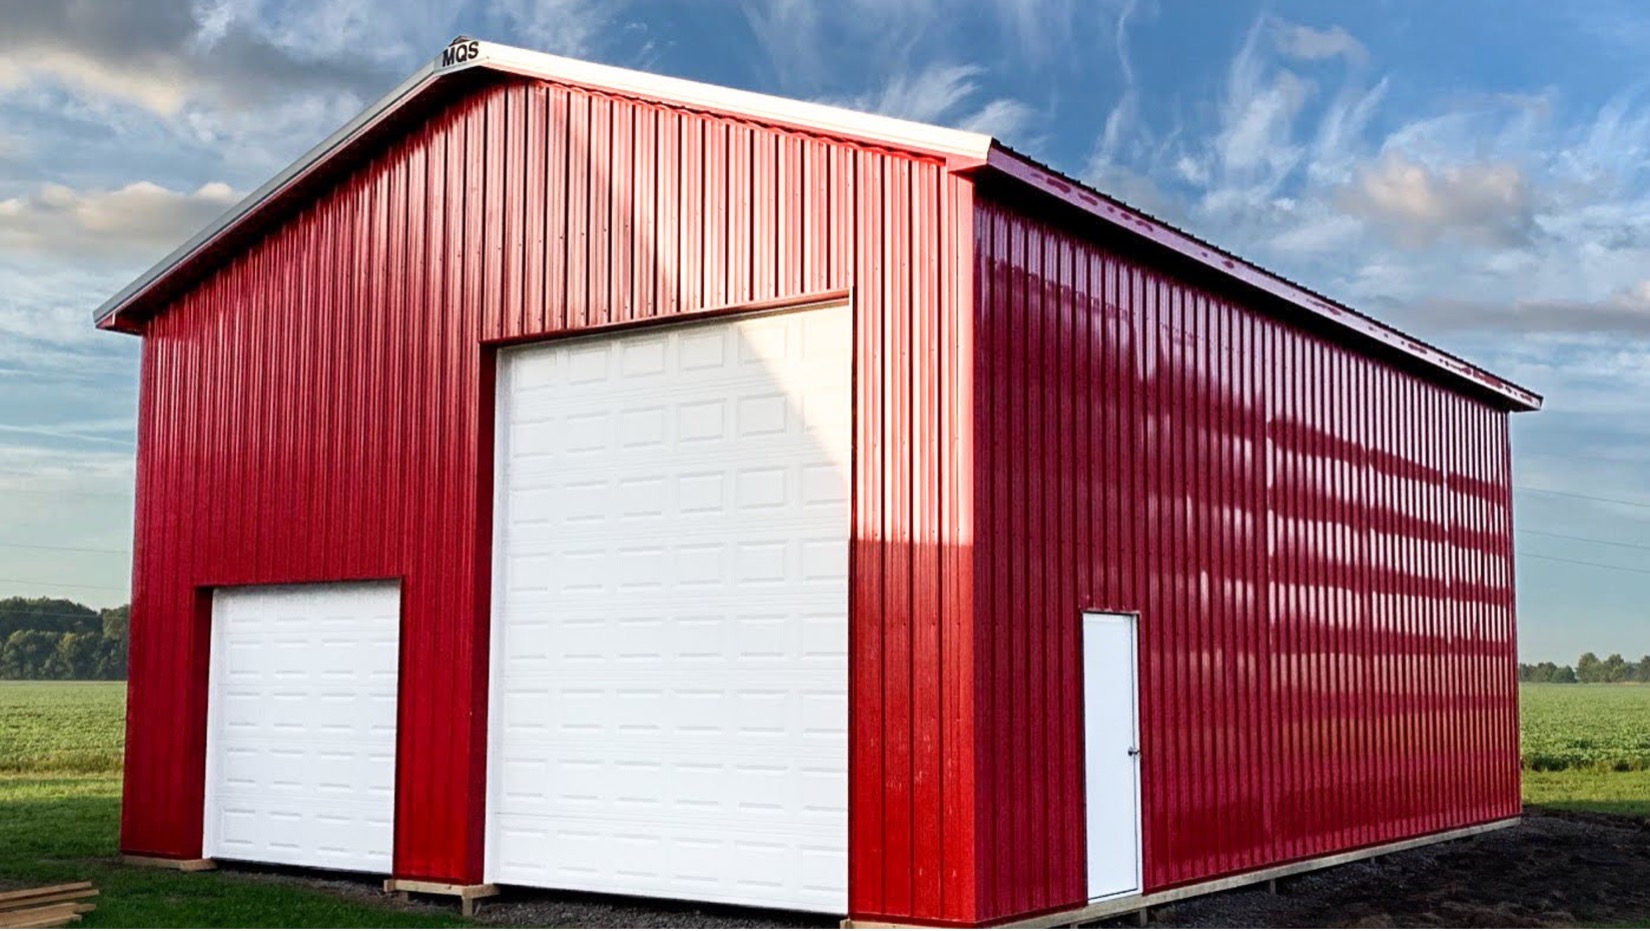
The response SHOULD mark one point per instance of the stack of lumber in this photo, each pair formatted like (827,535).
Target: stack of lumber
(46,907)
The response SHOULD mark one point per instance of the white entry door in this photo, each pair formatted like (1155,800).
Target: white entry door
(1111,750)
(669,708)
(300,737)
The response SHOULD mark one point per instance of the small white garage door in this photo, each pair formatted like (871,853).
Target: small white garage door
(669,662)
(300,739)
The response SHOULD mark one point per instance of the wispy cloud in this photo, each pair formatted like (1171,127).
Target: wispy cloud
(141,218)
(1303,42)
(64,433)
(795,36)
(946,94)
(565,27)
(164,54)
(1487,203)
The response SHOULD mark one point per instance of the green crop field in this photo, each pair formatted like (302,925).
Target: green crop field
(1586,727)
(1587,747)
(62,727)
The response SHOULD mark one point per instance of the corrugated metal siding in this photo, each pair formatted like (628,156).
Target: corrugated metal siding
(320,409)
(1318,545)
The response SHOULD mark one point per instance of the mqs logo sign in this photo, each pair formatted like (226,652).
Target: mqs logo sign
(460,51)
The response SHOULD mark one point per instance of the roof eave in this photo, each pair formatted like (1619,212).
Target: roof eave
(1038,177)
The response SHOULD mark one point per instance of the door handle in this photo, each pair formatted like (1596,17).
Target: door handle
(1134,751)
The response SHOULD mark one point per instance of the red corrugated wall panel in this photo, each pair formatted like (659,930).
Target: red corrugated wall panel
(319,408)
(1318,544)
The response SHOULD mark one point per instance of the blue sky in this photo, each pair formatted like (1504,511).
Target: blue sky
(1475,172)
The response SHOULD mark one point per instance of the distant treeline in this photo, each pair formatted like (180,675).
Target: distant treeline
(50,638)
(1589,668)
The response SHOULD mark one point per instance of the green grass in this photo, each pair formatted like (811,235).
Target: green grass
(60,753)
(64,828)
(1613,793)
(1600,728)
(62,727)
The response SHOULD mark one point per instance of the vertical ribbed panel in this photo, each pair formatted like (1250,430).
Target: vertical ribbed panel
(320,409)
(1318,544)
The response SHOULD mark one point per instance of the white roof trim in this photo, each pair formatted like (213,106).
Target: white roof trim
(903,134)
(871,127)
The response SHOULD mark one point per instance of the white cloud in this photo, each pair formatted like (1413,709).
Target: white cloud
(927,96)
(944,93)
(160,83)
(1485,203)
(1002,118)
(1308,44)
(565,27)
(1624,313)
(1256,148)
(140,218)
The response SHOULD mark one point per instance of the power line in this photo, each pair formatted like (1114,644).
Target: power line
(112,588)
(1579,562)
(1571,494)
(1565,536)
(96,615)
(64,549)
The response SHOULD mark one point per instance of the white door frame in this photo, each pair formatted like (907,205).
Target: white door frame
(1132,622)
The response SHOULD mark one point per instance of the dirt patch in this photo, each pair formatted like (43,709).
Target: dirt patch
(523,909)
(1553,870)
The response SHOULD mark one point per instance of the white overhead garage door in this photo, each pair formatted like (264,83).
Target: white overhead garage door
(300,739)
(669,661)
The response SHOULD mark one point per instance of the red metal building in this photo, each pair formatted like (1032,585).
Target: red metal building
(575,478)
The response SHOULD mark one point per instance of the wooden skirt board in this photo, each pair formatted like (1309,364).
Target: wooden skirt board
(669,658)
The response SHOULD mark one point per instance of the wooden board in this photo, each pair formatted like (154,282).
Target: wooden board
(29,898)
(467,894)
(16,895)
(45,916)
(165,863)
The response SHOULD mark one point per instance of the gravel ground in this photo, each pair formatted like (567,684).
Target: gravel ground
(1553,870)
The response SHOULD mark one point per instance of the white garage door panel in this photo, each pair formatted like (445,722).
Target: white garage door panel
(669,712)
(301,725)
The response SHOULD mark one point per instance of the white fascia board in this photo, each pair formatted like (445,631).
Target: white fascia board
(837,121)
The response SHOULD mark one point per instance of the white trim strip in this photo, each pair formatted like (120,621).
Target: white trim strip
(902,134)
